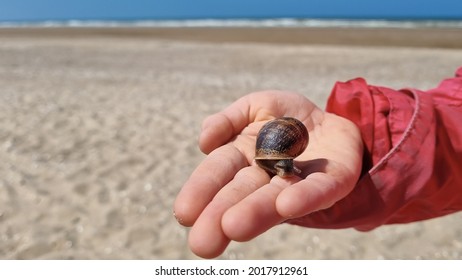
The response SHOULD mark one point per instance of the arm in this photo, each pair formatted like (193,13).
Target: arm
(412,168)
(409,171)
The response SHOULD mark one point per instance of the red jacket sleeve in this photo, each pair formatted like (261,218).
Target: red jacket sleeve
(412,168)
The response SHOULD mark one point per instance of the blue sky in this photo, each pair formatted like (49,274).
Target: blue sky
(13,10)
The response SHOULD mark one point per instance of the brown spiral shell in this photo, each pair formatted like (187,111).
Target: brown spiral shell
(278,143)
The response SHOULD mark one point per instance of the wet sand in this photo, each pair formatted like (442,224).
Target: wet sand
(407,37)
(99,127)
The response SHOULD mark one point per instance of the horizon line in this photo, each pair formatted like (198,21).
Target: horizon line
(240,22)
(179,18)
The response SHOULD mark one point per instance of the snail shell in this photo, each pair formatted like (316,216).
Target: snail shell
(278,143)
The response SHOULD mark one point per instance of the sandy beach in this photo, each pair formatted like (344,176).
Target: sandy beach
(99,128)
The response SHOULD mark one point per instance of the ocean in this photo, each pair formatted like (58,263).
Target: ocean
(278,22)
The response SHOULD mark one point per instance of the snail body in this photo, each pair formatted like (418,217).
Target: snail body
(278,143)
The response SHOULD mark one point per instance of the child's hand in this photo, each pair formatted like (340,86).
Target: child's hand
(228,197)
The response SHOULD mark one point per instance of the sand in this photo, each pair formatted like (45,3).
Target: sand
(98,132)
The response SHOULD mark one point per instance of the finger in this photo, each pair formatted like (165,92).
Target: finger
(206,237)
(318,191)
(221,127)
(258,106)
(256,213)
(200,189)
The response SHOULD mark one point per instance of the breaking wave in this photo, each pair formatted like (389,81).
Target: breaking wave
(282,22)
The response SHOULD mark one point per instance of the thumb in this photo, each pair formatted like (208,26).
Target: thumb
(316,192)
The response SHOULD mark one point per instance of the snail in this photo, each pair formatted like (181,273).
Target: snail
(278,142)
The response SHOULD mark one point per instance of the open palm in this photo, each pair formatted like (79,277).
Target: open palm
(228,197)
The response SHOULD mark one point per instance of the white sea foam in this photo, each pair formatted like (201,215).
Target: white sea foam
(280,22)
